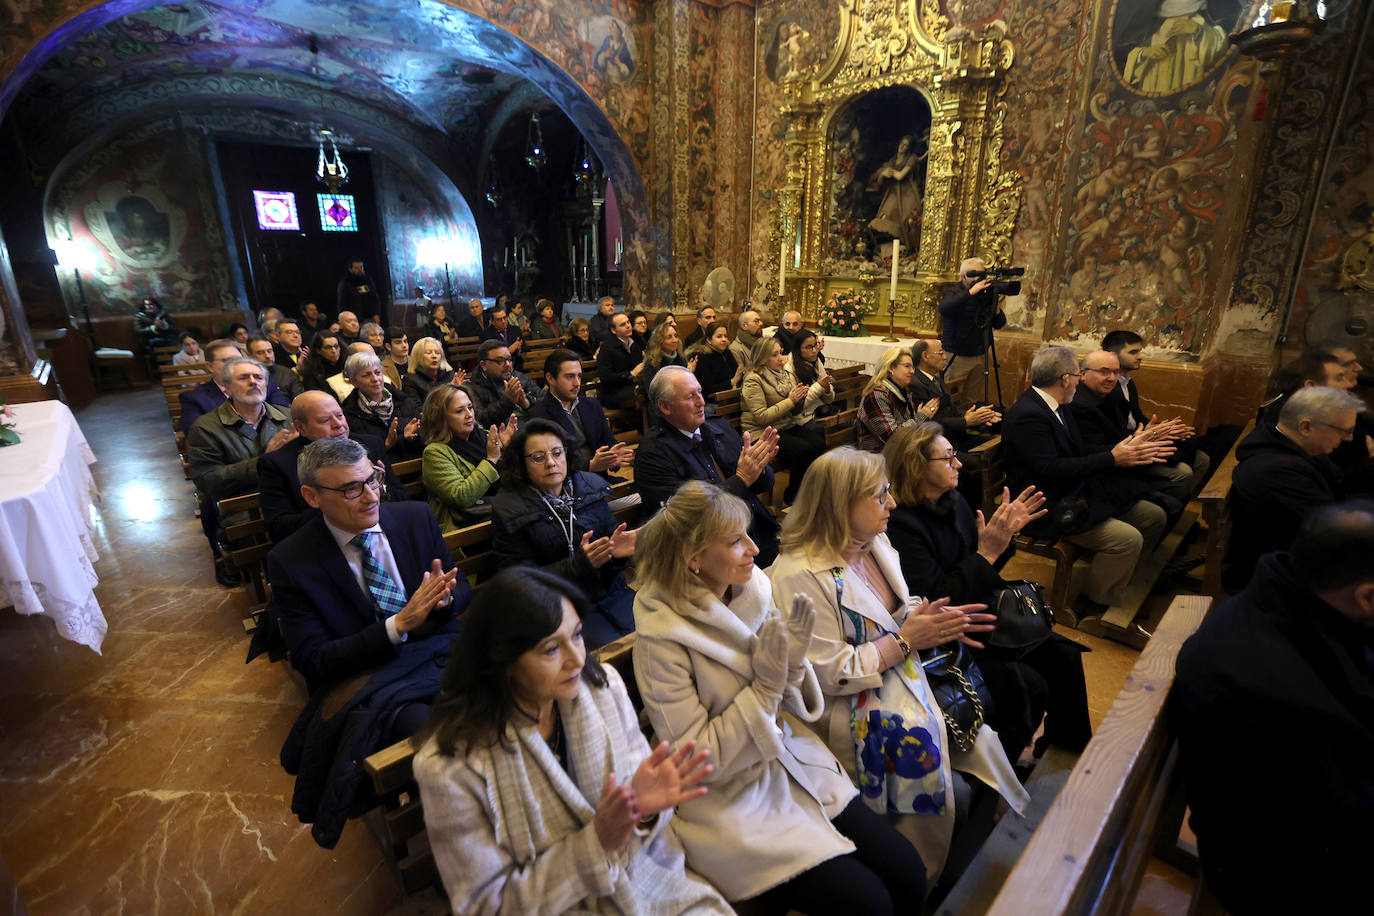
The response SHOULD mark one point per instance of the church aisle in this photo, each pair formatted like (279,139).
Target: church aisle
(146,780)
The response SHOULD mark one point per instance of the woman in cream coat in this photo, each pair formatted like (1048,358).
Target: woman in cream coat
(834,539)
(772,396)
(718,666)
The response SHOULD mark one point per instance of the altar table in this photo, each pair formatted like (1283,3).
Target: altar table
(866,351)
(46,495)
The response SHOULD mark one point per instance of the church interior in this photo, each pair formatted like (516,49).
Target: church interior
(223,157)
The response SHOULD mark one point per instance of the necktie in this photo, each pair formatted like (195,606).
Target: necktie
(1060,417)
(389,598)
(700,444)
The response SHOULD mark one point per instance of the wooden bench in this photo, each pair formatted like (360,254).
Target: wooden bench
(250,557)
(841,428)
(402,830)
(1216,513)
(1121,803)
(411,475)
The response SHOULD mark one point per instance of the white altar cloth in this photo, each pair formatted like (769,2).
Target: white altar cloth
(866,351)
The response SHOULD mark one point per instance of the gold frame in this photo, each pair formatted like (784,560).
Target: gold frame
(971,204)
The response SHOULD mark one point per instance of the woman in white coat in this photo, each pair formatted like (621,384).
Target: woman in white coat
(540,793)
(717,665)
(868,629)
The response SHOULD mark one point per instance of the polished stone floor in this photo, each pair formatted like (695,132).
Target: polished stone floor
(145,779)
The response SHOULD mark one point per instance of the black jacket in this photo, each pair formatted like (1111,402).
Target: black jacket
(964,318)
(595,431)
(470,326)
(523,533)
(715,371)
(283,508)
(508,337)
(1273,705)
(938,546)
(613,368)
(949,417)
(404,409)
(489,396)
(1274,486)
(666,459)
(586,349)
(601,327)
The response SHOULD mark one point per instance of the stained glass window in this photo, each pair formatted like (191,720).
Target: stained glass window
(337,212)
(276,210)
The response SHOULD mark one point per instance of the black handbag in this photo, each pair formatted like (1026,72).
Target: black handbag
(959,688)
(1024,618)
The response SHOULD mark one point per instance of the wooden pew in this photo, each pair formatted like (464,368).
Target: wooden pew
(730,407)
(1216,512)
(840,428)
(249,559)
(411,474)
(1121,801)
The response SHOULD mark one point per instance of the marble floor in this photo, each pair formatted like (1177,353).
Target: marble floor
(145,779)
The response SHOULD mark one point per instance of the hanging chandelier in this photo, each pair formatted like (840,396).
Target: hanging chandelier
(330,171)
(535,157)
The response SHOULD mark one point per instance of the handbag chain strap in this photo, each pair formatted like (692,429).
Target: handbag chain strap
(964,740)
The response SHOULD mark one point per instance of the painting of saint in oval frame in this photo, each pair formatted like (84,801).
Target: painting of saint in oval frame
(1163,47)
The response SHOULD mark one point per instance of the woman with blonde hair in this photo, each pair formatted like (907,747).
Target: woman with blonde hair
(719,666)
(460,458)
(886,405)
(771,396)
(428,368)
(864,650)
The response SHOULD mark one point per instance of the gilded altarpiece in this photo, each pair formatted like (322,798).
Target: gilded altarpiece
(969,204)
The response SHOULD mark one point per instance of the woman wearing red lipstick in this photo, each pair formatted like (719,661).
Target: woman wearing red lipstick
(540,793)
(718,664)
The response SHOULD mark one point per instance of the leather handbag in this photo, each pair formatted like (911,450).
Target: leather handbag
(959,688)
(1024,618)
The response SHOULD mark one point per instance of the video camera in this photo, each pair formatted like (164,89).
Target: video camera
(1001,284)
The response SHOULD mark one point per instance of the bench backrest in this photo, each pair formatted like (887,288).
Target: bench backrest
(1216,512)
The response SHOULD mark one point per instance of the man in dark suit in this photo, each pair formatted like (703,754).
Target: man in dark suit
(928,391)
(685,445)
(362,578)
(473,324)
(788,331)
(592,445)
(500,329)
(969,312)
(600,323)
(205,397)
(498,390)
(619,364)
(1123,403)
(705,316)
(1042,446)
(314,415)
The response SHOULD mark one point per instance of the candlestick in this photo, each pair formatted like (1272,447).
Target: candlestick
(782,267)
(896,257)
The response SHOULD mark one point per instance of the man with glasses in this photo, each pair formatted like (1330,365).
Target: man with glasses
(591,444)
(500,329)
(209,395)
(1042,446)
(498,390)
(1283,472)
(288,343)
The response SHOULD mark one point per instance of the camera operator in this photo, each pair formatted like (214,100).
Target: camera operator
(968,309)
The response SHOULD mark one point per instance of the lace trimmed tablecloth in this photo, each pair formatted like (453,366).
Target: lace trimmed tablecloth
(46,492)
(866,351)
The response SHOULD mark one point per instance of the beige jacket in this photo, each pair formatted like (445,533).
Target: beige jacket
(765,399)
(775,789)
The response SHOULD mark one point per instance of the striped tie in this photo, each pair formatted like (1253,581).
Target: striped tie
(389,598)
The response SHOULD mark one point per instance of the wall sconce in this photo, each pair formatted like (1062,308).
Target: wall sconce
(1269,29)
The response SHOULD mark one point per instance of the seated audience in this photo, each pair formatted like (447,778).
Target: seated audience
(591,444)
(716,369)
(208,395)
(438,327)
(428,370)
(1283,472)
(287,341)
(373,335)
(684,444)
(580,339)
(1288,655)
(639,323)
(947,550)
(619,364)
(311,321)
(600,324)
(886,403)
(1328,367)
(497,389)
(1042,448)
(339,383)
(460,460)
(546,325)
(664,349)
(836,554)
(154,325)
(500,329)
(377,409)
(222,446)
(1312,369)
(1123,402)
(772,396)
(746,335)
(518,318)
(261,349)
(965,428)
(472,325)
(349,328)
(190,351)
(561,522)
(807,364)
(397,361)
(314,415)
(788,333)
(706,316)
(238,333)
(518,774)
(323,360)
(718,664)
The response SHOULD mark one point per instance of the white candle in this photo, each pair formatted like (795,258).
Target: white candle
(896,257)
(782,267)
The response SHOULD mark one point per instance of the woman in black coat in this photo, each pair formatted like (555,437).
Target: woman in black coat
(377,409)
(946,549)
(562,523)
(716,369)
(325,359)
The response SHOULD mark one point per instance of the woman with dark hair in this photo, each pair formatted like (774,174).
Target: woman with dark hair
(325,360)
(639,325)
(438,326)
(948,550)
(561,522)
(460,457)
(519,772)
(664,349)
(545,325)
(239,334)
(716,369)
(805,359)
(580,339)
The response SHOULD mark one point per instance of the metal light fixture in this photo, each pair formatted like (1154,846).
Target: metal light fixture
(331,172)
(493,183)
(583,171)
(535,156)
(1270,29)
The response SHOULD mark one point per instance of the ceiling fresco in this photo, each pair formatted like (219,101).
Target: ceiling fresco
(414,64)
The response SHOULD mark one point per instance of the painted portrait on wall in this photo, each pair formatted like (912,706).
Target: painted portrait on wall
(140,229)
(877,176)
(788,51)
(1162,47)
(614,42)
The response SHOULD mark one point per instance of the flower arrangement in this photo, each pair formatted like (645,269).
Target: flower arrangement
(7,434)
(843,315)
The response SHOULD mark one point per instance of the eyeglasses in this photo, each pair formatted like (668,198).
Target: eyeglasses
(552,454)
(1347,432)
(499,360)
(1072,375)
(952,458)
(352,491)
(883,492)
(1103,371)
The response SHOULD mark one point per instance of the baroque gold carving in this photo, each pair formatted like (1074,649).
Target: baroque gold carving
(971,203)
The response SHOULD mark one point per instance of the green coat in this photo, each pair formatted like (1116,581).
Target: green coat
(454,484)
